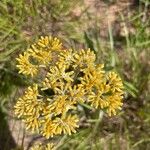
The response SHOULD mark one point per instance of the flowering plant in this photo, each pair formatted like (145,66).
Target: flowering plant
(63,79)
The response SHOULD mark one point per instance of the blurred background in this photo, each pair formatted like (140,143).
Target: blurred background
(118,31)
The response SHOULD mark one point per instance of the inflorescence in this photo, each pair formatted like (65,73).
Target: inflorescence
(67,78)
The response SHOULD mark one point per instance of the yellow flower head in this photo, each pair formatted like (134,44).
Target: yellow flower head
(84,58)
(48,128)
(29,108)
(115,83)
(61,105)
(25,66)
(66,57)
(39,146)
(40,54)
(66,125)
(49,43)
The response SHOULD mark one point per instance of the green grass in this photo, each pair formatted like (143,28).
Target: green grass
(22,22)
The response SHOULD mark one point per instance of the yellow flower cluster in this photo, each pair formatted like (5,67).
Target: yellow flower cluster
(69,78)
(49,146)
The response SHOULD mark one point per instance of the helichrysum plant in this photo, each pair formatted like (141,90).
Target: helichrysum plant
(63,79)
